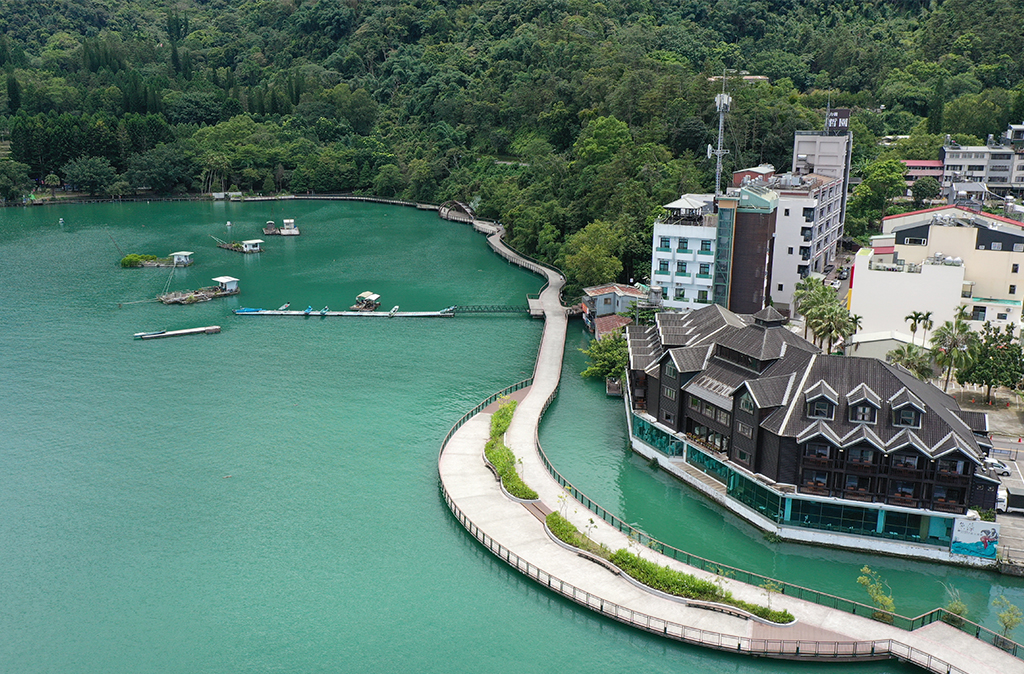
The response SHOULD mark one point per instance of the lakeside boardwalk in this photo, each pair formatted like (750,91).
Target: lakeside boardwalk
(515,534)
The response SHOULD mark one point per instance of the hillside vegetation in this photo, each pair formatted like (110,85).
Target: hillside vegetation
(569,121)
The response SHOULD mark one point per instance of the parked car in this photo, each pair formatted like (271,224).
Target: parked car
(844,274)
(829,268)
(836,284)
(996,466)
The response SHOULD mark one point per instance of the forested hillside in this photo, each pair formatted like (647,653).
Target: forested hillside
(570,121)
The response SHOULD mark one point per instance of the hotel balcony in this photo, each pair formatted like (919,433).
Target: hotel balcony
(954,479)
(859,495)
(948,506)
(905,501)
(814,488)
(861,467)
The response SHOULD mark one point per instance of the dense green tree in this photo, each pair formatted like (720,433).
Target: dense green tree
(592,254)
(162,169)
(998,361)
(13,94)
(608,357)
(92,174)
(912,357)
(14,180)
(925,188)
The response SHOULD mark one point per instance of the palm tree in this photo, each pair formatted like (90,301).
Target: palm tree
(809,297)
(926,323)
(914,318)
(954,346)
(912,357)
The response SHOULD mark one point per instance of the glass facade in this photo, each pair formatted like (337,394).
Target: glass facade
(797,511)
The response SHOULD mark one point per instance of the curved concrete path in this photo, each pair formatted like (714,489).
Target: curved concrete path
(517,536)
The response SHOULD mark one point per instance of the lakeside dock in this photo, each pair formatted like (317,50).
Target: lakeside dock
(159,334)
(444,313)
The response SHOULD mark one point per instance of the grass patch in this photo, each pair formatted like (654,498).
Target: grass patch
(502,458)
(502,417)
(686,585)
(567,532)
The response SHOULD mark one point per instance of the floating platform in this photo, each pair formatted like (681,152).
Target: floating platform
(208,330)
(287,229)
(444,313)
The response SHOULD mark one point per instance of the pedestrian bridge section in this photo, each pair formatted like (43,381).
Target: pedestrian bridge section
(513,533)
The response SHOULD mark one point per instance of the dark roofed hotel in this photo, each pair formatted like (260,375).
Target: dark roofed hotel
(849,452)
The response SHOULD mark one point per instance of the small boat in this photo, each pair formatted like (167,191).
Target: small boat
(61,221)
(308,310)
(366,301)
(229,223)
(247,310)
(394,310)
(284,306)
(323,312)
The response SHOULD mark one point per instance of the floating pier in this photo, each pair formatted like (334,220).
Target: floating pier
(208,330)
(249,246)
(444,313)
(226,285)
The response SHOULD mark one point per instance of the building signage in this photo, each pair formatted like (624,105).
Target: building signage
(974,538)
(838,120)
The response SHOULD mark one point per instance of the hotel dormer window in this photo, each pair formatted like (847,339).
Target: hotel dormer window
(907,417)
(820,409)
(863,413)
(746,403)
(670,371)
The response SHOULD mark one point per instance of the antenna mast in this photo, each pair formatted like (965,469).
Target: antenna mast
(722,103)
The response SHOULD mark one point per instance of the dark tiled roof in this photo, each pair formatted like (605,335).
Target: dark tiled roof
(976,421)
(863,393)
(644,346)
(690,358)
(772,391)
(941,413)
(821,389)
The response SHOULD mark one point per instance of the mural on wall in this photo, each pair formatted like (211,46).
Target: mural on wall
(975,538)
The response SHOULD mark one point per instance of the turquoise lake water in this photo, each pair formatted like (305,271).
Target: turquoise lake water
(266,499)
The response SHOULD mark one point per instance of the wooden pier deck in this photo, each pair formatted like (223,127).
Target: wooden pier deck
(365,314)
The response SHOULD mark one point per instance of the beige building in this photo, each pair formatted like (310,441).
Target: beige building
(936,260)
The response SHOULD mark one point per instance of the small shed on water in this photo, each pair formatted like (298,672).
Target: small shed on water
(182,258)
(227,284)
(252,246)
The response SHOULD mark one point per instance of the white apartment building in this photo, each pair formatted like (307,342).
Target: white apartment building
(936,260)
(683,256)
(999,163)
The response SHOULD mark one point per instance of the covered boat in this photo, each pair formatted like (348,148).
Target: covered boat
(366,301)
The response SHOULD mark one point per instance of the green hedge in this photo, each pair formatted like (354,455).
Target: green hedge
(505,461)
(501,419)
(685,585)
(136,260)
(567,532)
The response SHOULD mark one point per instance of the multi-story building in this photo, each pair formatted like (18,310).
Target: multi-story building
(808,228)
(919,168)
(999,164)
(851,452)
(936,260)
(684,251)
(703,239)
(825,153)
